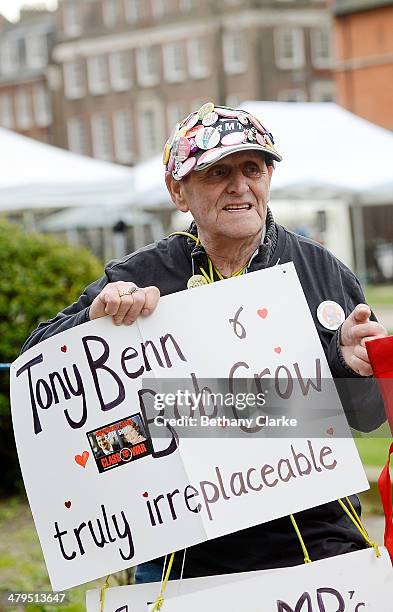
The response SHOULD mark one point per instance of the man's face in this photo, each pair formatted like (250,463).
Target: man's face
(228,199)
(130,434)
(103,442)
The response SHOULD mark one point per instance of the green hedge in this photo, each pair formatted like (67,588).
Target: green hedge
(39,277)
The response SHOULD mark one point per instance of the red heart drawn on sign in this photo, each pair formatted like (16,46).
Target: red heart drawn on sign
(145,494)
(262,312)
(277,349)
(67,504)
(82,459)
(63,348)
(330,431)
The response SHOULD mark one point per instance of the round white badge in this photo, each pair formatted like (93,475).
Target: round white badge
(330,315)
(207,138)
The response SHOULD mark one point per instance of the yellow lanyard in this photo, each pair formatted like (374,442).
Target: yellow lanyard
(210,277)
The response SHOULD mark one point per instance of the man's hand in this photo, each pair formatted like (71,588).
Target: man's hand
(356,329)
(124,308)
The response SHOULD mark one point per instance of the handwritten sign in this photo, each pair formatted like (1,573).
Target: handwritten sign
(354,582)
(107,492)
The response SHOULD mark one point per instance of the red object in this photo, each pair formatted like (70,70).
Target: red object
(385,491)
(380,352)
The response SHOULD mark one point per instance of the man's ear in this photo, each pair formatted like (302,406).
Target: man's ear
(176,191)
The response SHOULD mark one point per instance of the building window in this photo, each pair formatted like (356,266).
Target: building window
(175,112)
(150,129)
(174,62)
(71,19)
(102,137)
(110,13)
(74,82)
(123,137)
(6,111)
(187,5)
(147,66)
(42,109)
(135,10)
(97,74)
(77,136)
(321,48)
(24,111)
(120,71)
(323,91)
(198,58)
(289,48)
(9,55)
(292,95)
(37,51)
(234,49)
(158,8)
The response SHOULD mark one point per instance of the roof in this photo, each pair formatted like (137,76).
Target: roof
(326,150)
(38,175)
(345,7)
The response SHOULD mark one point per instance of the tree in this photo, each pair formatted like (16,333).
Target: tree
(39,277)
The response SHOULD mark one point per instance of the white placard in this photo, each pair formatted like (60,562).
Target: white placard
(354,582)
(97,513)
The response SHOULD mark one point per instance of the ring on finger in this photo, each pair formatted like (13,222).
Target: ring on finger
(128,291)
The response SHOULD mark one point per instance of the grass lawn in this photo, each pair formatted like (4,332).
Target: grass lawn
(379,295)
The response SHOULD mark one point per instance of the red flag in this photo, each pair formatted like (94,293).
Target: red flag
(385,491)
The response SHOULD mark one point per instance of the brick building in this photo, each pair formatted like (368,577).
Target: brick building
(24,55)
(125,70)
(364,53)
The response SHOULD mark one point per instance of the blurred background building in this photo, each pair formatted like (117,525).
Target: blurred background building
(364,58)
(25,49)
(127,70)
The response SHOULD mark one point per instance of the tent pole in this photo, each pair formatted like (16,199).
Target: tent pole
(359,241)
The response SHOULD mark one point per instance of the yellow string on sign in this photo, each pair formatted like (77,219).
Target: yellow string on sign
(302,544)
(359,525)
(160,599)
(102,593)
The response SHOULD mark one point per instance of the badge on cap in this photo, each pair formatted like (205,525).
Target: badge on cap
(207,138)
(197,280)
(330,315)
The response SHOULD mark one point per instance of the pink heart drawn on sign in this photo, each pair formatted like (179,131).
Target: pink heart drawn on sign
(82,459)
(67,504)
(262,312)
(145,494)
(330,431)
(63,348)
(277,349)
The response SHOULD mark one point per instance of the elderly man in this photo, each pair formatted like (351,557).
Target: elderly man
(219,164)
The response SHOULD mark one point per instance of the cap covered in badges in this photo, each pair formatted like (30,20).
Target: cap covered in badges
(211,133)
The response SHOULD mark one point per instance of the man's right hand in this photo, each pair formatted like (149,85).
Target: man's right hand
(124,308)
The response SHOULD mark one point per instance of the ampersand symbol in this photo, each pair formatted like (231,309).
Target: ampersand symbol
(238,328)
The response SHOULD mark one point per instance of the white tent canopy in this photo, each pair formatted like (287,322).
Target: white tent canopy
(39,176)
(326,151)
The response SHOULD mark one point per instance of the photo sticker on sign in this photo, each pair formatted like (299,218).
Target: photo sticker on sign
(119,443)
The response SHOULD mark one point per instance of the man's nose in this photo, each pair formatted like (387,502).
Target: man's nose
(237,183)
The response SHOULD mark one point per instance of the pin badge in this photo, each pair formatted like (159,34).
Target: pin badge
(205,109)
(207,138)
(242,118)
(330,315)
(183,149)
(226,112)
(233,139)
(196,281)
(210,119)
(186,167)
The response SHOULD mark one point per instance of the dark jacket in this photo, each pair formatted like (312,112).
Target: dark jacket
(168,265)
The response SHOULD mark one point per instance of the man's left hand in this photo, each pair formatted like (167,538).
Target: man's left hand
(356,329)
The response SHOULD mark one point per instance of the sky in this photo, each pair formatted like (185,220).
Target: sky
(10,8)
